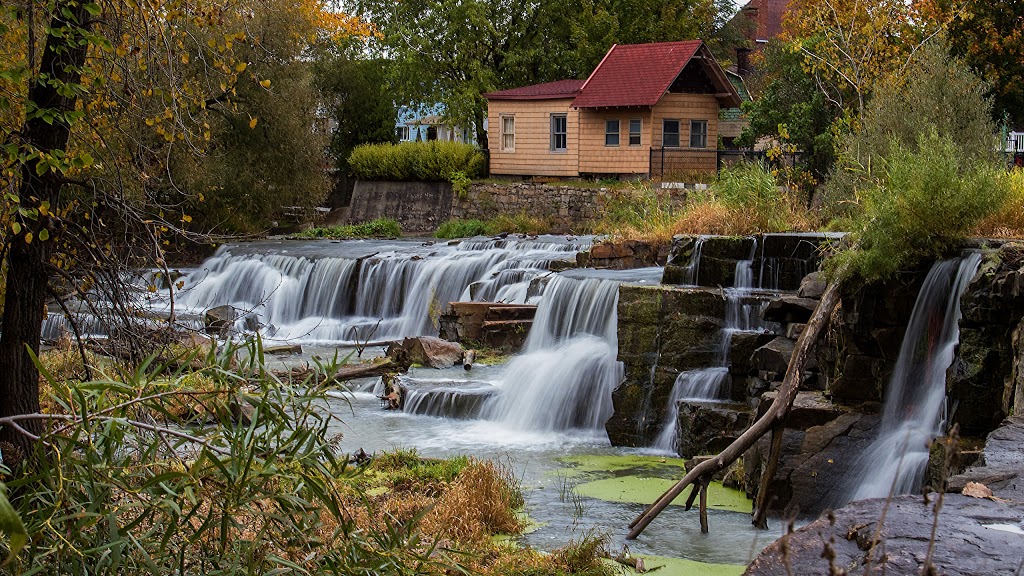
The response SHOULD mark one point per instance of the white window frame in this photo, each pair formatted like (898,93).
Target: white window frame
(508,138)
(608,133)
(563,134)
(701,133)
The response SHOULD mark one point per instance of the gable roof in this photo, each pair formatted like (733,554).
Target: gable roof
(641,74)
(546,91)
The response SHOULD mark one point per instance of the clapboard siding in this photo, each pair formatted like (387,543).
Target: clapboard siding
(532,155)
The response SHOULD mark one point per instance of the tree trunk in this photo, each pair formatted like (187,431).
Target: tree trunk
(62,60)
(775,415)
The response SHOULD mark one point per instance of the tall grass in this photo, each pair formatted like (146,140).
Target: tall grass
(745,199)
(379,228)
(520,223)
(926,201)
(1008,220)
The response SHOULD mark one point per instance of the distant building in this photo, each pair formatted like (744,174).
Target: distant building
(647,109)
(414,126)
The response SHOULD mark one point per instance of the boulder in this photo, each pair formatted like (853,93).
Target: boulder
(973,536)
(429,351)
(774,356)
(790,309)
(709,427)
(741,348)
(219,320)
(812,286)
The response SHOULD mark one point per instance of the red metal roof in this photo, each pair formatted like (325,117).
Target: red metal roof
(546,91)
(635,74)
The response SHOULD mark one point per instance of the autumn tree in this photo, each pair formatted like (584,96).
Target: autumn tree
(100,103)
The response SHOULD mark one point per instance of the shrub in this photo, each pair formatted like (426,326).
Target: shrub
(925,202)
(521,223)
(753,189)
(434,161)
(379,228)
(1008,221)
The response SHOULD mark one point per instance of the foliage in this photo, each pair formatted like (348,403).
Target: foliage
(520,223)
(745,199)
(435,161)
(922,203)
(453,52)
(990,38)
(1008,220)
(943,96)
(460,183)
(359,100)
(132,491)
(379,228)
(793,113)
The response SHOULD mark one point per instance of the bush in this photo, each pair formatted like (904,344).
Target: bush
(379,228)
(458,228)
(434,161)
(753,189)
(1008,221)
(926,201)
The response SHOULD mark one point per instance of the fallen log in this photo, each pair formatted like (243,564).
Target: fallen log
(468,358)
(775,415)
(346,373)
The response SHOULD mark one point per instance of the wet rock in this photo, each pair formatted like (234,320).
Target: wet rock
(430,351)
(973,536)
(809,409)
(709,427)
(790,309)
(812,286)
(220,320)
(1002,464)
(773,356)
(283,349)
(741,349)
(860,379)
(624,255)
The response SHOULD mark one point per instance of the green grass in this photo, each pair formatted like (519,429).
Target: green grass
(521,223)
(379,228)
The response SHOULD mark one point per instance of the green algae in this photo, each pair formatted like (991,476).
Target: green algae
(684,567)
(644,490)
(639,479)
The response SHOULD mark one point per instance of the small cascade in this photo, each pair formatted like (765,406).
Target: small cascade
(463,401)
(915,401)
(712,384)
(691,272)
(566,374)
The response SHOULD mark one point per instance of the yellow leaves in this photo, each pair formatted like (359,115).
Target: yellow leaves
(240,67)
(252,123)
(186,218)
(185,58)
(265,83)
(28,238)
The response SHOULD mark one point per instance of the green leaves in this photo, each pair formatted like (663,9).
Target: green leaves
(10,524)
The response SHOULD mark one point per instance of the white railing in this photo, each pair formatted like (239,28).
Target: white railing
(1015,142)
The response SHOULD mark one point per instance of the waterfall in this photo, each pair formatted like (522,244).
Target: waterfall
(711,384)
(915,400)
(692,269)
(565,376)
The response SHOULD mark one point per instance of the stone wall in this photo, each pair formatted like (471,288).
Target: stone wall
(565,207)
(417,206)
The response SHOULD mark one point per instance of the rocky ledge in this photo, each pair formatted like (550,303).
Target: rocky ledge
(980,531)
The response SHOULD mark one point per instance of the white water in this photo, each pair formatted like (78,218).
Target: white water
(711,384)
(915,400)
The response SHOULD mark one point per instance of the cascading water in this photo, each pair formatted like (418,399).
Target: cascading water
(711,384)
(314,292)
(915,400)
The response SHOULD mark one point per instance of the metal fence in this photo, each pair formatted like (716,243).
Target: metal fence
(685,162)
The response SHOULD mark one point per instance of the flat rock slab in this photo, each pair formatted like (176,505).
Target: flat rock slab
(974,536)
(790,309)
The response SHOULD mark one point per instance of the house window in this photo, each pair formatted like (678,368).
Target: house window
(559,141)
(698,133)
(402,132)
(670,134)
(508,132)
(635,126)
(611,132)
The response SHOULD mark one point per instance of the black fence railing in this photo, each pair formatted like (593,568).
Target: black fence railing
(685,162)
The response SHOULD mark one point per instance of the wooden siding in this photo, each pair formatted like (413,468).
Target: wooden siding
(533,155)
(596,158)
(686,107)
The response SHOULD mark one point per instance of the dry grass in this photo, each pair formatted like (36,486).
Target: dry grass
(1008,221)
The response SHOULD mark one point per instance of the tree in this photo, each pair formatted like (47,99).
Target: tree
(358,99)
(452,52)
(97,101)
(990,38)
(942,95)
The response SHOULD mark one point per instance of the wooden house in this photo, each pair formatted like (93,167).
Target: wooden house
(647,109)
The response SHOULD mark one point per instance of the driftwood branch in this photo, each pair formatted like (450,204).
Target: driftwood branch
(368,370)
(774,416)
